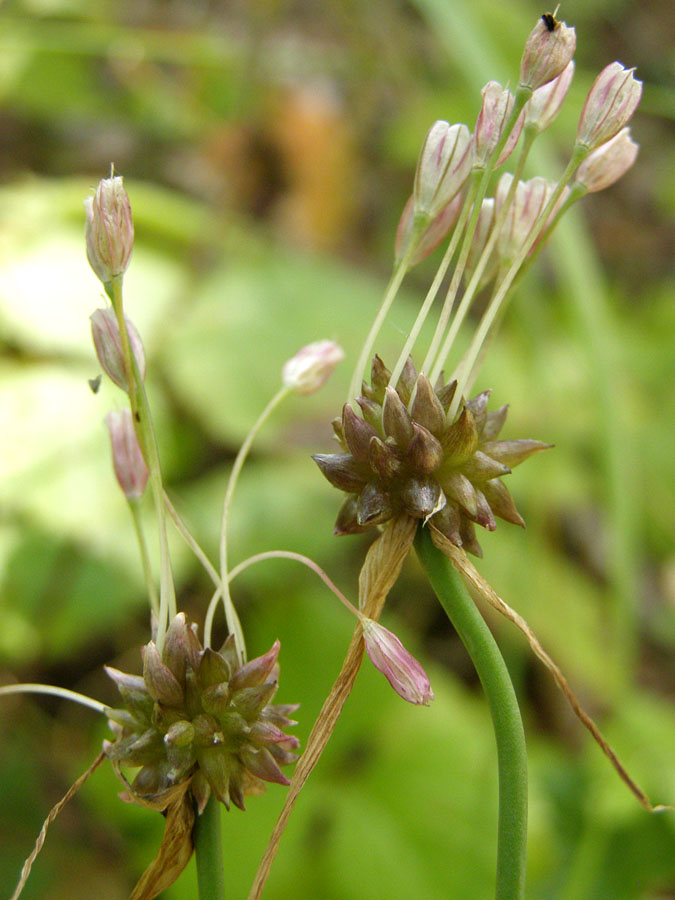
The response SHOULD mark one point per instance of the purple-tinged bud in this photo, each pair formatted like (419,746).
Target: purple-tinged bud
(493,116)
(611,101)
(108,345)
(311,367)
(545,103)
(109,229)
(160,682)
(607,163)
(437,229)
(128,462)
(400,668)
(527,205)
(548,49)
(443,166)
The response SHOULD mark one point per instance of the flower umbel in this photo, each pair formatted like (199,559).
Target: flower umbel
(419,463)
(196,715)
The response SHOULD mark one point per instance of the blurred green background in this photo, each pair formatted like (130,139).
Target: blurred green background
(268,147)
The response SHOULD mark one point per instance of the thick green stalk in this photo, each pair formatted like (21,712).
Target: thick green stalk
(507,723)
(209,853)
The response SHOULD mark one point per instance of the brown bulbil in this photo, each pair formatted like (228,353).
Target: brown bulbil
(411,460)
(197,716)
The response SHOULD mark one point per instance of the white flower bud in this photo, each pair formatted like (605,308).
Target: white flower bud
(545,103)
(548,49)
(607,163)
(109,229)
(443,166)
(128,462)
(611,101)
(307,371)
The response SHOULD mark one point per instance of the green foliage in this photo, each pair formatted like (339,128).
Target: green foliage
(254,237)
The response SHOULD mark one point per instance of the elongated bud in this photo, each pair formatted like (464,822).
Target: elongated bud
(307,371)
(527,205)
(108,345)
(548,49)
(611,101)
(130,469)
(109,229)
(493,116)
(400,668)
(545,103)
(442,168)
(607,163)
(433,234)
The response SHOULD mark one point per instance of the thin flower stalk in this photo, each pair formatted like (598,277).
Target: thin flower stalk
(474,283)
(233,623)
(578,155)
(395,282)
(438,278)
(140,410)
(521,98)
(148,577)
(53,691)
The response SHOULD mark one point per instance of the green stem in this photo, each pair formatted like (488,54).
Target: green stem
(209,853)
(508,726)
(135,507)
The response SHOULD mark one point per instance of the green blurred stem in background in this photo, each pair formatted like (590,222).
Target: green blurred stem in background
(209,853)
(506,720)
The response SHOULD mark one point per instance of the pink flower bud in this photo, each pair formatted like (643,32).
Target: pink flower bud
(545,103)
(128,462)
(493,116)
(109,229)
(402,671)
(442,168)
(433,234)
(307,371)
(611,101)
(607,163)
(108,346)
(528,204)
(548,49)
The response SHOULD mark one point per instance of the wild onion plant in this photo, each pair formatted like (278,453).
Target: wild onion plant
(420,457)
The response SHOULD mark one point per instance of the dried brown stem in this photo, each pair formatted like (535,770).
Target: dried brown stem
(380,570)
(56,809)
(478,586)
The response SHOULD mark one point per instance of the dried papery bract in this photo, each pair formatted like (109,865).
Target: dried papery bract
(442,168)
(109,229)
(130,468)
(607,163)
(547,52)
(312,366)
(399,667)
(545,103)
(610,104)
(108,345)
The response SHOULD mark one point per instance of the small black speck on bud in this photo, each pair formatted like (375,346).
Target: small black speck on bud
(550,21)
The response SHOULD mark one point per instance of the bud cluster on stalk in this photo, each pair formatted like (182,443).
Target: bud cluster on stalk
(198,716)
(450,153)
(418,462)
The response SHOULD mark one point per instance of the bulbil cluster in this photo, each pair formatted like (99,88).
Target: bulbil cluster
(404,456)
(198,715)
